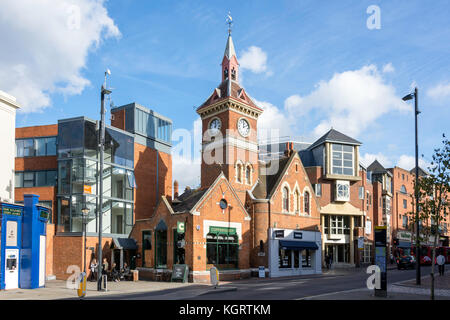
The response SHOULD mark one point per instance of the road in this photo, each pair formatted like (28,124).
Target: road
(276,289)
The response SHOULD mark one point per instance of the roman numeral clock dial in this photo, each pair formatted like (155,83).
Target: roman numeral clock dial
(243,127)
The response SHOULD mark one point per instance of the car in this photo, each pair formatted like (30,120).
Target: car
(405,262)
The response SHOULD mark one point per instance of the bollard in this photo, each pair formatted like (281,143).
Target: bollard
(105,282)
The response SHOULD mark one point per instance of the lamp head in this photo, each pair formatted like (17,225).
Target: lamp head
(108,72)
(408,97)
(85,211)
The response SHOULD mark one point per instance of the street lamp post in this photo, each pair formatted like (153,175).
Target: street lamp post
(104,92)
(85,212)
(416,113)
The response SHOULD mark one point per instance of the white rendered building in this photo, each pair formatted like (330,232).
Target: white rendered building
(8,107)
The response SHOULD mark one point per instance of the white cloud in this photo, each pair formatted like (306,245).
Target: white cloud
(439,92)
(272,119)
(388,68)
(349,102)
(409,162)
(45,45)
(367,159)
(254,59)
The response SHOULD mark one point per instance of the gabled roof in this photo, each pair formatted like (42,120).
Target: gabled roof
(267,183)
(186,201)
(334,136)
(422,172)
(376,167)
(229,88)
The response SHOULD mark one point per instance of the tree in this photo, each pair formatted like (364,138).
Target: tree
(434,190)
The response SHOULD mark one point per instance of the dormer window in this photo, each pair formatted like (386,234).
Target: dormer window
(342,156)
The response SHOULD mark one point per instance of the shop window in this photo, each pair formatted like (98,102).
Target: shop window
(146,244)
(285,258)
(222,250)
(161,248)
(306,258)
(178,247)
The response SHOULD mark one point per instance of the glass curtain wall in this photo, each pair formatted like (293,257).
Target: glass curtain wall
(78,165)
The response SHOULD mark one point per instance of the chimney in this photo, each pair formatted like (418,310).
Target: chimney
(289,149)
(175,189)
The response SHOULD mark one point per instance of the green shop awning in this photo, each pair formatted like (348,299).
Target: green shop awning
(299,245)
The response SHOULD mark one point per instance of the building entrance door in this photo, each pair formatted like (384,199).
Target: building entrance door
(12,269)
(340,252)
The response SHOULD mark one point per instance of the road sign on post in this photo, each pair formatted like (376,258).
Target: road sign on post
(381,259)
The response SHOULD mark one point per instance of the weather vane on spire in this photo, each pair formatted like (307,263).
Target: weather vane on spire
(229,22)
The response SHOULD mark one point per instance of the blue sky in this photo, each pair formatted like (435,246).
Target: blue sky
(310,64)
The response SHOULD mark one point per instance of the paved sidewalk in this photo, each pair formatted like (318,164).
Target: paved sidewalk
(57,289)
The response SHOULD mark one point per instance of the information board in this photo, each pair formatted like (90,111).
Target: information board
(381,259)
(180,272)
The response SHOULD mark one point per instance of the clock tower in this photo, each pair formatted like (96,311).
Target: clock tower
(229,128)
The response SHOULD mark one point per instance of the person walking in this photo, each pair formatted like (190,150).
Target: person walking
(330,259)
(441,263)
(105,266)
(93,267)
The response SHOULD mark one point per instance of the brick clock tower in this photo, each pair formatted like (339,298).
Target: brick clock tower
(229,128)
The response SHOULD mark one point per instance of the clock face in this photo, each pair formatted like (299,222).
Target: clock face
(243,127)
(215,125)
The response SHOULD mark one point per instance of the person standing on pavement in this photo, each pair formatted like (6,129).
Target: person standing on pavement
(105,266)
(441,263)
(330,259)
(93,268)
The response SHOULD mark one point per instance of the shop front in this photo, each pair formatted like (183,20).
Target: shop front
(294,252)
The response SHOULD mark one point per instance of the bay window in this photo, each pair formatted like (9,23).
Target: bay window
(342,159)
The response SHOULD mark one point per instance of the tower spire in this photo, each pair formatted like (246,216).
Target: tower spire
(230,65)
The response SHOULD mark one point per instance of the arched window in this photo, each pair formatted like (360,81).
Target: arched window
(248,175)
(306,201)
(285,199)
(403,189)
(239,172)
(225,73)
(296,201)
(233,74)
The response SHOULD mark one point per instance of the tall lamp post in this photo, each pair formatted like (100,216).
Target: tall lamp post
(85,212)
(416,113)
(104,92)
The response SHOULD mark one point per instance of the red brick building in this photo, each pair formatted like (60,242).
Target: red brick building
(245,214)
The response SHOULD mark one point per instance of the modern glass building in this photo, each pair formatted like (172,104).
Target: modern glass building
(78,173)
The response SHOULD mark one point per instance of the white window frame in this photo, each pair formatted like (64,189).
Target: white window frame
(342,196)
(342,153)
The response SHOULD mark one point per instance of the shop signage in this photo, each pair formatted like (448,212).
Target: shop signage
(12,211)
(180,272)
(11,233)
(43,214)
(262,272)
(361,243)
(381,258)
(180,227)
(278,233)
(403,235)
(298,235)
(223,230)
(87,189)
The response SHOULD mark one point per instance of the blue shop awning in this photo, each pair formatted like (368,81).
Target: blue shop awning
(404,244)
(300,245)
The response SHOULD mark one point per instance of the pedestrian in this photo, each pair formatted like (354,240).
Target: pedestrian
(114,273)
(441,263)
(330,260)
(93,267)
(327,261)
(105,267)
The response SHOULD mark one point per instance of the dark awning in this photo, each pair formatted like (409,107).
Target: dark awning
(404,244)
(287,244)
(124,243)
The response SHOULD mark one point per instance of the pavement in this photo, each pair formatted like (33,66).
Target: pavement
(314,287)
